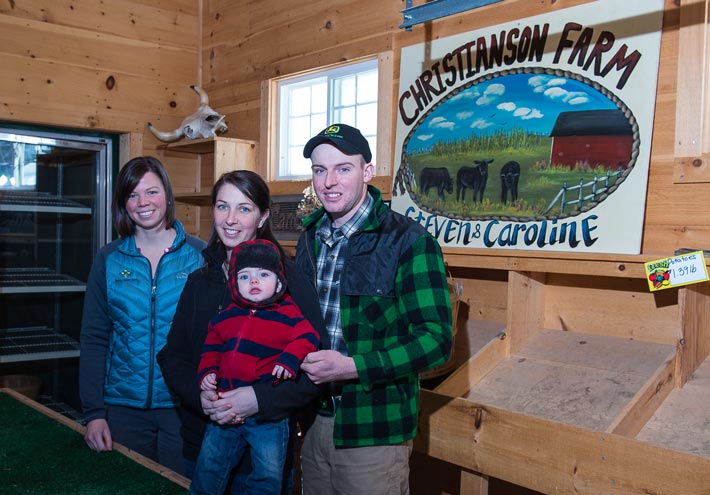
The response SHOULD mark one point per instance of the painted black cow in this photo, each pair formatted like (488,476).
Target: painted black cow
(509,175)
(438,178)
(474,178)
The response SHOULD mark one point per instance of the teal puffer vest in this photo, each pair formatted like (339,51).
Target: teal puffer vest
(142,311)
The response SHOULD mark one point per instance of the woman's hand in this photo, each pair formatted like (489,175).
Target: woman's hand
(213,407)
(231,407)
(98,435)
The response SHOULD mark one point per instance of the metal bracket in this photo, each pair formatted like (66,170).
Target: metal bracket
(437,9)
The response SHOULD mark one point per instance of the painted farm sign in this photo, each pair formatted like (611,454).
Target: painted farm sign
(534,135)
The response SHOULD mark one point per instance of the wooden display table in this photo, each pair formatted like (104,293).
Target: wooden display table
(575,378)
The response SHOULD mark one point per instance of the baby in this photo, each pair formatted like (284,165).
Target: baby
(261,336)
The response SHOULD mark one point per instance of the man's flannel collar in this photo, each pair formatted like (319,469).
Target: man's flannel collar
(329,236)
(317,216)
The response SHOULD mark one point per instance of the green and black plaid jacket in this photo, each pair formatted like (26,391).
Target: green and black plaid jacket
(396,318)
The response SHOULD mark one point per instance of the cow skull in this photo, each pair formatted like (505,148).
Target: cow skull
(204,123)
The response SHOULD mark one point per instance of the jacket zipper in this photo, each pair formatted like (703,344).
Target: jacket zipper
(153,292)
(153,300)
(311,258)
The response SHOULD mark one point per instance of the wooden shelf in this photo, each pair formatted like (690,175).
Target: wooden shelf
(574,374)
(195,199)
(195,165)
(682,422)
(203,146)
(578,379)
(610,265)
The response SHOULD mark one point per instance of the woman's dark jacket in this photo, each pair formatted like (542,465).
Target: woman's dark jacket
(204,295)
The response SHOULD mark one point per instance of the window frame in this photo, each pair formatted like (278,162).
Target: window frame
(327,77)
(268,143)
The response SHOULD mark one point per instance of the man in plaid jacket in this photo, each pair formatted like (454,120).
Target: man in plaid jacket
(384,297)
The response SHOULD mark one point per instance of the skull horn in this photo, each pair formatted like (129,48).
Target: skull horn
(204,99)
(166,137)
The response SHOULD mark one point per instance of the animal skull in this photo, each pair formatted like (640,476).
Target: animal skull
(204,123)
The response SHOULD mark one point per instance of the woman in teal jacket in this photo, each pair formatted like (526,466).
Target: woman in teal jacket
(131,295)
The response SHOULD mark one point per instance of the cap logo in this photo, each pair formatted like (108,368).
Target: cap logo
(332,130)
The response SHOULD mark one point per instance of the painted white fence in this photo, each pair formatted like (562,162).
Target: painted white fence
(596,187)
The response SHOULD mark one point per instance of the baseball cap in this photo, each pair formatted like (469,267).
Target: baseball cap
(347,139)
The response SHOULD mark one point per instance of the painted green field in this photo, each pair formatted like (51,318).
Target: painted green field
(538,185)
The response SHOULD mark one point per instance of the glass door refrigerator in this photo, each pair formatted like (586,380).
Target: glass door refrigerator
(54,216)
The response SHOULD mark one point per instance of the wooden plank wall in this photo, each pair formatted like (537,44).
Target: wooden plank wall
(245,42)
(114,66)
(109,66)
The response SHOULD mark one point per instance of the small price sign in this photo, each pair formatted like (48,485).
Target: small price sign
(688,268)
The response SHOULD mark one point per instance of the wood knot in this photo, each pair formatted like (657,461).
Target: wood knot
(697,162)
(110,82)
(173,104)
(328,25)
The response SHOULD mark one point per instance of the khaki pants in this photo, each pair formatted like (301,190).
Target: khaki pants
(379,470)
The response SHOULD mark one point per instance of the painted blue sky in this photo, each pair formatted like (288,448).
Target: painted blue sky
(523,101)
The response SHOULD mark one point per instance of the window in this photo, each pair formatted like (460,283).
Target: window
(18,162)
(307,104)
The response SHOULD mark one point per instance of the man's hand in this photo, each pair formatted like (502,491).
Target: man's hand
(328,366)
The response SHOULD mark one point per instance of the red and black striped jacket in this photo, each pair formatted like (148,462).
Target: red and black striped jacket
(243,345)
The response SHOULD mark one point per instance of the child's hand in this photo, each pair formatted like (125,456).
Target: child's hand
(281,373)
(209,382)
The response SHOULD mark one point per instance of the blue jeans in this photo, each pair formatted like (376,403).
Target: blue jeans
(223,447)
(236,485)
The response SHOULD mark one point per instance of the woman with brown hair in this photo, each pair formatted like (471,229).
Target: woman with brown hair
(133,288)
(241,212)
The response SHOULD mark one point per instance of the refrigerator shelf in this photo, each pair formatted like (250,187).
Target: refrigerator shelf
(34,280)
(39,202)
(34,344)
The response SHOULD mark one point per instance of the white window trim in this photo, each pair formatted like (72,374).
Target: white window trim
(268,141)
(287,85)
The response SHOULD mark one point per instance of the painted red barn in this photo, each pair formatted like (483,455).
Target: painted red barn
(592,138)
